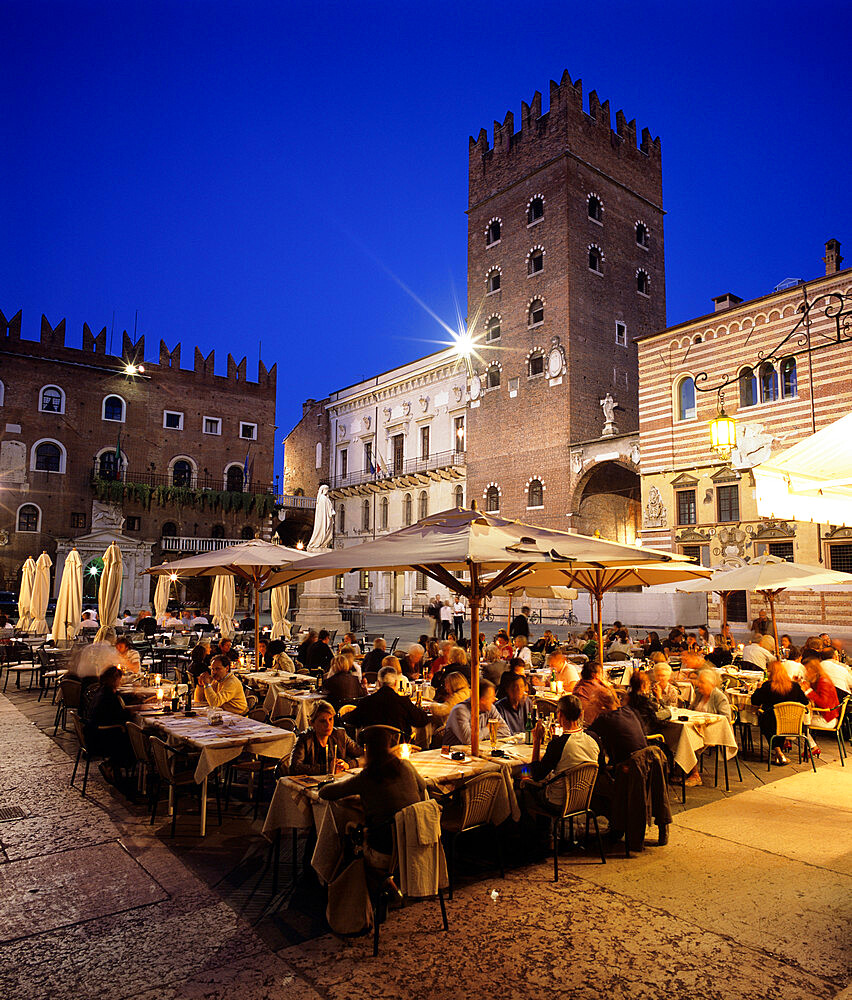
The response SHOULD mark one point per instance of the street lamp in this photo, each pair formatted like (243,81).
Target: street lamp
(723,431)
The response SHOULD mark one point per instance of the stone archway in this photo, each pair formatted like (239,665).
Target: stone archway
(608,499)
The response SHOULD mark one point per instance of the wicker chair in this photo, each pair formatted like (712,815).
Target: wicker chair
(394,733)
(477,805)
(258,714)
(789,725)
(544,707)
(835,726)
(578,785)
(285,723)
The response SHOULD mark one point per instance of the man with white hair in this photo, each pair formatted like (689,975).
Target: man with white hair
(760,654)
(386,707)
(413,662)
(372,661)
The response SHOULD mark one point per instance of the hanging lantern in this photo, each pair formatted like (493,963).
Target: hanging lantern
(723,433)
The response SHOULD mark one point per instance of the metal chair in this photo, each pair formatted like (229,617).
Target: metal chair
(835,726)
(71,691)
(716,751)
(49,674)
(658,740)
(790,725)
(477,800)
(166,759)
(285,723)
(83,749)
(616,655)
(20,667)
(372,677)
(139,742)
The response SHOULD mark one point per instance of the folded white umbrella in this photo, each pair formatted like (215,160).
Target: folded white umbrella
(161,597)
(223,603)
(109,590)
(279,605)
(26,593)
(69,604)
(40,595)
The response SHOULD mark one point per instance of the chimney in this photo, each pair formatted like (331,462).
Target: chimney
(832,257)
(726,301)
(307,406)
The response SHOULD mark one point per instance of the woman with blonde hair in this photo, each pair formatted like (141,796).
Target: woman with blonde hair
(456,689)
(779,687)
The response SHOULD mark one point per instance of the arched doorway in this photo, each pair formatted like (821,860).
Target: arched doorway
(609,500)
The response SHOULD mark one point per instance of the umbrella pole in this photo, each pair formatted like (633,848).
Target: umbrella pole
(724,596)
(474,675)
(599,602)
(592,613)
(771,595)
(257,665)
(509,618)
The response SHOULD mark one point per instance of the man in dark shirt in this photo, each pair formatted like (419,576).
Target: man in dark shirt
(269,649)
(372,662)
(147,624)
(760,626)
(520,624)
(305,645)
(319,655)
(618,729)
(388,708)
(343,687)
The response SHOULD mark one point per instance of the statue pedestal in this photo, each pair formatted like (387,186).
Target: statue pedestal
(319,607)
(610,429)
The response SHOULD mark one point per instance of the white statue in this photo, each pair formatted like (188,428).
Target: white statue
(608,404)
(323,521)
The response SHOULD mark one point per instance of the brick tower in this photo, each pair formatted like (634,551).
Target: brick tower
(565,268)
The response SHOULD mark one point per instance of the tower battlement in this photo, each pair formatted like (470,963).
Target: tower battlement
(566,127)
(51,346)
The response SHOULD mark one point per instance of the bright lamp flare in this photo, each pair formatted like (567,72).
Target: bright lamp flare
(463,344)
(723,433)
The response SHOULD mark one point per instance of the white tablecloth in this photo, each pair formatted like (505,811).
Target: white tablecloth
(282,702)
(687,738)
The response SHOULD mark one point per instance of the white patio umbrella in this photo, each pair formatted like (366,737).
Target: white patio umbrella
(161,595)
(490,552)
(109,589)
(40,595)
(770,575)
(279,605)
(223,602)
(812,481)
(69,604)
(26,592)
(254,561)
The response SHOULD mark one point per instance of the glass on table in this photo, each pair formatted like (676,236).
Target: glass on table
(493,727)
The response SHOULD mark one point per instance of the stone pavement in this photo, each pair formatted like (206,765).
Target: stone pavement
(751,899)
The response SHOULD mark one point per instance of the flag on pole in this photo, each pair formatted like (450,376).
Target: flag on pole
(246,466)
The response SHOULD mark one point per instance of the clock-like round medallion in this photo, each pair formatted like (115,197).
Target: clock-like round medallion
(554,363)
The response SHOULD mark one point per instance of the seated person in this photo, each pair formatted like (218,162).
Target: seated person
(516,706)
(663,690)
(199,658)
(491,665)
(758,655)
(822,694)
(386,785)
(197,619)
(171,622)
(721,655)
(589,644)
(675,644)
(573,747)
(646,707)
(546,644)
(88,621)
(618,730)
(779,687)
(459,722)
(270,650)
(501,641)
(413,662)
(516,666)
(105,708)
(372,662)
(315,749)
(128,618)
(455,689)
(129,659)
(319,654)
(522,649)
(592,689)
(220,688)
(708,696)
(563,670)
(342,687)
(349,640)
(621,643)
(386,707)
(247,624)
(652,644)
(145,623)
(225,649)
(305,645)
(456,663)
(838,673)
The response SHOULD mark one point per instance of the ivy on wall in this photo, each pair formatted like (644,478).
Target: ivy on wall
(115,491)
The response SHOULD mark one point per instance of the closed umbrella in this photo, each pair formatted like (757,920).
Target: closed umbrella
(280,603)
(109,590)
(40,595)
(161,595)
(69,604)
(26,592)
(223,603)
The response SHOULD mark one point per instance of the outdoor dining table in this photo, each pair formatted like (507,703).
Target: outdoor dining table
(281,701)
(219,743)
(688,732)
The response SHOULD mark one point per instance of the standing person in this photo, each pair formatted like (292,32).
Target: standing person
(521,624)
(446,614)
(433,613)
(458,618)
(760,626)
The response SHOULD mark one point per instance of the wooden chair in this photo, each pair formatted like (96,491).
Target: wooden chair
(477,805)
(789,725)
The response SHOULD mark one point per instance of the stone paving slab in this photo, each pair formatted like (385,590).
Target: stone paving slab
(57,890)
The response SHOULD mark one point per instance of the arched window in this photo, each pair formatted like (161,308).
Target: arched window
(535,364)
(535,210)
(788,378)
(595,208)
(365,515)
(748,387)
(492,234)
(113,409)
(595,259)
(423,506)
(492,281)
(182,473)
(341,519)
(247,532)
(217,531)
(29,517)
(234,479)
(383,511)
(535,261)
(643,282)
(492,499)
(110,465)
(493,377)
(406,509)
(169,530)
(52,399)
(535,315)
(48,456)
(459,496)
(768,383)
(535,494)
(642,235)
(686,399)
(492,329)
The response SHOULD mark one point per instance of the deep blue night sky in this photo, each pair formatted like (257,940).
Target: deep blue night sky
(234,171)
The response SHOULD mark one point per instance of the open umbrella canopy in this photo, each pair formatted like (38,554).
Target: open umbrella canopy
(812,481)
(69,604)
(109,589)
(223,602)
(40,595)
(491,552)
(26,592)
